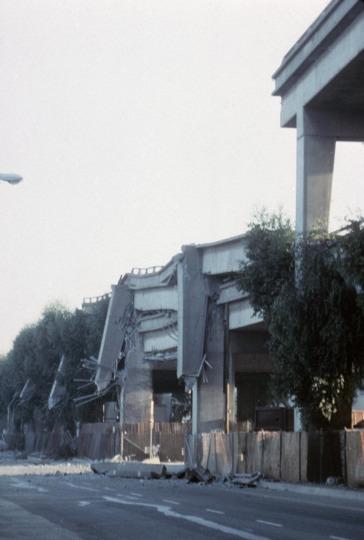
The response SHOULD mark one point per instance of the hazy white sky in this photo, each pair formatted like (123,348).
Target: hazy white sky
(138,126)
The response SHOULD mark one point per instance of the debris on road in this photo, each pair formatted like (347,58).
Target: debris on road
(159,471)
(245,479)
(199,475)
(136,469)
(14,464)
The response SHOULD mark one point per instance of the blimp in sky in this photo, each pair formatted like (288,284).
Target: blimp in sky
(11,178)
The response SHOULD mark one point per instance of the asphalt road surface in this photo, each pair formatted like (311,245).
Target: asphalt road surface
(88,506)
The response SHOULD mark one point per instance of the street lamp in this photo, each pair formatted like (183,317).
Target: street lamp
(10,178)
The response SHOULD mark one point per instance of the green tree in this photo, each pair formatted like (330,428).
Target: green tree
(269,260)
(350,241)
(314,319)
(36,354)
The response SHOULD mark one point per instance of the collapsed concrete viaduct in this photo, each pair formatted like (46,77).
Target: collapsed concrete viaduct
(321,83)
(187,321)
(140,340)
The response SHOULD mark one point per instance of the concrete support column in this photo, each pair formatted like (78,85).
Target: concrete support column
(315,164)
(211,400)
(192,308)
(138,393)
(195,391)
(230,394)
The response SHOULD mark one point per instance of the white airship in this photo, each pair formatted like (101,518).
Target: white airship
(11,178)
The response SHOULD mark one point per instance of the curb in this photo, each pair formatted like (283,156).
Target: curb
(338,493)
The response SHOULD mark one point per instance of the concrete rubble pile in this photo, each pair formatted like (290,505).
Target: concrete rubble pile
(159,471)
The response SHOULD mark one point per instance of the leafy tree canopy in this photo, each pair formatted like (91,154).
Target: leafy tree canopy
(310,294)
(36,354)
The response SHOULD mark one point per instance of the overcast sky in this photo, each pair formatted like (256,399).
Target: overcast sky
(139,126)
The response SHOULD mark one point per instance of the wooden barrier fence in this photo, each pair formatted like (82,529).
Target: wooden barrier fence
(285,456)
(103,440)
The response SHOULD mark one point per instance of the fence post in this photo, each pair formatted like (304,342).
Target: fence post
(151,429)
(232,451)
(345,457)
(299,455)
(280,454)
(216,465)
(262,458)
(121,421)
(321,455)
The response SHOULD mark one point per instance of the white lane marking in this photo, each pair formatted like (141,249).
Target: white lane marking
(28,485)
(271,523)
(258,494)
(136,494)
(166,510)
(212,511)
(170,501)
(83,503)
(108,489)
(338,538)
(80,487)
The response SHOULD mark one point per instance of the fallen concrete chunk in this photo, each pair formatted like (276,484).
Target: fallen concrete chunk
(199,475)
(166,474)
(158,475)
(135,469)
(155,476)
(182,473)
(163,474)
(334,481)
(245,479)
